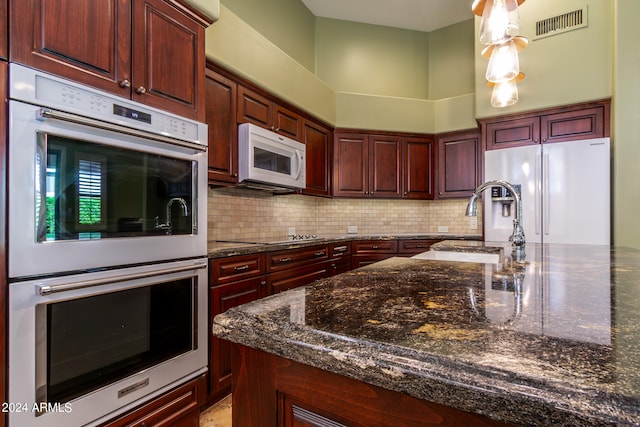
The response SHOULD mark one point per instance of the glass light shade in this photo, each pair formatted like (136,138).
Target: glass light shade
(500,21)
(503,64)
(504,94)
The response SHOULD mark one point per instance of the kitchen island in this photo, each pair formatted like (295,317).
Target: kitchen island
(553,339)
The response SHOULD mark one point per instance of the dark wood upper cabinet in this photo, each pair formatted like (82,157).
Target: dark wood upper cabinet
(4,31)
(459,163)
(220,96)
(151,51)
(385,166)
(568,123)
(350,165)
(254,108)
(318,141)
(262,111)
(419,168)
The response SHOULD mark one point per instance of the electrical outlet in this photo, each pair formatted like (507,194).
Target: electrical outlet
(352,229)
(291,231)
(443,229)
(473,222)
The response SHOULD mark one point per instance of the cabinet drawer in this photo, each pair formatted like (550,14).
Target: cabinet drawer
(300,276)
(358,261)
(374,246)
(415,246)
(224,270)
(297,257)
(179,407)
(339,250)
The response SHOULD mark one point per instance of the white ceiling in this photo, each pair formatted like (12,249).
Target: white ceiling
(420,15)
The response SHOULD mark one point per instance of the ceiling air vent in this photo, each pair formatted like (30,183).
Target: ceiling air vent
(561,23)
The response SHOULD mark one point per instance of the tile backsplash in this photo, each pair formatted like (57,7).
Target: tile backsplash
(247,214)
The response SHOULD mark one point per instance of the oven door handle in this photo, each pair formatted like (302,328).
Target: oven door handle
(47,113)
(48,289)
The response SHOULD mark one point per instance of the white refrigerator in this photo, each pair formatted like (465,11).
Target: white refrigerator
(565,188)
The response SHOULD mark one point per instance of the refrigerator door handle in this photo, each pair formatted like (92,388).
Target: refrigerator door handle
(536,195)
(545,193)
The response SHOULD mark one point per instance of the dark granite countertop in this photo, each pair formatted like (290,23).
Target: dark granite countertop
(554,340)
(224,248)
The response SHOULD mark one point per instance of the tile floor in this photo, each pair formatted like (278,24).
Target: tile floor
(218,415)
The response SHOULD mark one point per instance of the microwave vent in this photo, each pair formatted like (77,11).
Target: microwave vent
(560,24)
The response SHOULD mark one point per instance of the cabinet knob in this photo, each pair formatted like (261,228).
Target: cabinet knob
(125,83)
(264,282)
(141,90)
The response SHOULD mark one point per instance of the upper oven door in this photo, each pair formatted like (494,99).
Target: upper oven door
(84,197)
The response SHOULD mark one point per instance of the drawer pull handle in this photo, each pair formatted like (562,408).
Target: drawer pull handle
(375,247)
(284,259)
(241,268)
(340,249)
(319,253)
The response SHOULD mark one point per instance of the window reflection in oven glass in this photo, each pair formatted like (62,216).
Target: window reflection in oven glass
(95,191)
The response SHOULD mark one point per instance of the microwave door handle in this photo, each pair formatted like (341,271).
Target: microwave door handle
(299,156)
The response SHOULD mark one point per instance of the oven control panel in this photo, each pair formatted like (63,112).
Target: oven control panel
(53,92)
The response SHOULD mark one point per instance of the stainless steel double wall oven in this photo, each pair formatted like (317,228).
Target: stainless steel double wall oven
(107,251)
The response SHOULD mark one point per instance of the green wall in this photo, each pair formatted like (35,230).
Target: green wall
(562,69)
(372,59)
(451,61)
(626,123)
(391,87)
(286,23)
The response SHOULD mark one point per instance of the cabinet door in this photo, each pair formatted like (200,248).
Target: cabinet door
(254,108)
(385,164)
(586,123)
(287,123)
(317,139)
(220,96)
(459,164)
(223,298)
(85,41)
(168,60)
(4,31)
(419,168)
(513,132)
(350,174)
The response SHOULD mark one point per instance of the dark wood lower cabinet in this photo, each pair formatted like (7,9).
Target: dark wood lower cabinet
(179,407)
(272,391)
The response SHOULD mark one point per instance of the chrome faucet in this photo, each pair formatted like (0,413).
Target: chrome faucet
(185,212)
(517,237)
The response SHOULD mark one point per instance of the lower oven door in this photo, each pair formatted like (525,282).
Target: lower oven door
(88,347)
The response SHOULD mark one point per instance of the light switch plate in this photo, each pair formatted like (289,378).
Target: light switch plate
(352,229)
(443,229)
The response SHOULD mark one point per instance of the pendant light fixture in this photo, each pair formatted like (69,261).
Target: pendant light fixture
(499,27)
(500,21)
(505,93)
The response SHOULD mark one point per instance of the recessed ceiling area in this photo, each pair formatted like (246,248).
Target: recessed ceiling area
(419,15)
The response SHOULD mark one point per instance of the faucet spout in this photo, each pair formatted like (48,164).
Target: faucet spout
(185,212)
(517,238)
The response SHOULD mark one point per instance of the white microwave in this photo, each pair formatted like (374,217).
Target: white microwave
(269,161)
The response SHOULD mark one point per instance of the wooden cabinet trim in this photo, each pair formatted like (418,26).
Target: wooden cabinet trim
(290,258)
(224,270)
